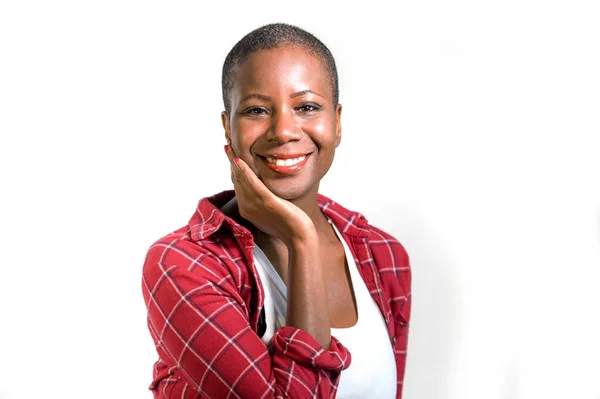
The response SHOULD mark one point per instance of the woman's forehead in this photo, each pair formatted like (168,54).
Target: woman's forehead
(292,68)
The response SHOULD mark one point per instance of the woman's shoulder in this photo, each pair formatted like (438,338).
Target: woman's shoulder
(205,244)
(178,251)
(379,237)
(385,252)
(356,224)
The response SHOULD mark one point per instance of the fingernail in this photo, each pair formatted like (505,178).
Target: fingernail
(236,160)
(226,148)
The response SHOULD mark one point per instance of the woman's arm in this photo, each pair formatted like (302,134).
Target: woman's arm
(307,307)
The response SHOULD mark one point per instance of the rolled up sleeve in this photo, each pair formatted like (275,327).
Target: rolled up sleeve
(200,326)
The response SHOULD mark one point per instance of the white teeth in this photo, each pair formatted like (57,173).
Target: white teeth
(286,162)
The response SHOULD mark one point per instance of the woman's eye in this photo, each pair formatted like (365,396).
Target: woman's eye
(255,111)
(309,107)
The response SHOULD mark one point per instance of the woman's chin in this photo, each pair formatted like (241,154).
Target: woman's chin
(287,190)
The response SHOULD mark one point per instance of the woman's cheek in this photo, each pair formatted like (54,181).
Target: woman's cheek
(239,137)
(243,139)
(323,131)
(318,126)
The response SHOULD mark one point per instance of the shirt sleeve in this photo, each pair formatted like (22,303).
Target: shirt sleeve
(400,303)
(394,268)
(200,326)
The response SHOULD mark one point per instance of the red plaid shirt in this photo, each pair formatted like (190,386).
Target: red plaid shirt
(204,299)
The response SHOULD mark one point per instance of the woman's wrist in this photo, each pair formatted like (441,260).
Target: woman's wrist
(308,239)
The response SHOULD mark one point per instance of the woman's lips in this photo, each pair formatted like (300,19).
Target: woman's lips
(285,164)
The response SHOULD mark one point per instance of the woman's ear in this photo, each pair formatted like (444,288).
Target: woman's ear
(226,126)
(338,124)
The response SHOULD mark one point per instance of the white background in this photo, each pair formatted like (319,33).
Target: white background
(470,133)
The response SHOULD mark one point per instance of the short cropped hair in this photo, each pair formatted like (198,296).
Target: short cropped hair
(269,37)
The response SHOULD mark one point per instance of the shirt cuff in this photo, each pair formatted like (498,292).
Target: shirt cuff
(304,349)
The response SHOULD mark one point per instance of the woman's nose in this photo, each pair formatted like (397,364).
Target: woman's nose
(284,127)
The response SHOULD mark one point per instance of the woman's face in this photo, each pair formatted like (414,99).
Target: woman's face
(283,123)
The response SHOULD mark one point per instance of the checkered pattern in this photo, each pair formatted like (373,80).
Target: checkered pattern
(204,298)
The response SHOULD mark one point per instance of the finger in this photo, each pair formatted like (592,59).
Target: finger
(240,183)
(236,173)
(237,178)
(244,176)
(243,172)
(231,156)
(230,153)
(251,180)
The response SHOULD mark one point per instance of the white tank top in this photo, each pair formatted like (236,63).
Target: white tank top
(372,372)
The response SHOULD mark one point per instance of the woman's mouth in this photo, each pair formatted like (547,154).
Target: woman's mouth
(285,164)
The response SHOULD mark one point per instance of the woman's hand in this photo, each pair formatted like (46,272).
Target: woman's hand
(274,216)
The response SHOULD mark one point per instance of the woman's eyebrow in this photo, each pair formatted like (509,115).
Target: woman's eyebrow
(267,98)
(303,92)
(255,95)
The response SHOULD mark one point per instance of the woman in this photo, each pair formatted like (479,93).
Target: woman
(271,287)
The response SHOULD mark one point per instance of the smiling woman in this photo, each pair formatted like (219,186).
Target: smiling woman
(272,289)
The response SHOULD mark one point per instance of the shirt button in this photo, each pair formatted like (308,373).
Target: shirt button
(394,341)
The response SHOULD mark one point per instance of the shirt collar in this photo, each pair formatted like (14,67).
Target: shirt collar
(208,218)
